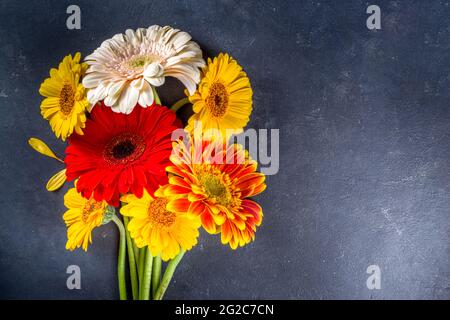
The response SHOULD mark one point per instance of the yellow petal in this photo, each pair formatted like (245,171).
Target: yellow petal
(56,181)
(41,147)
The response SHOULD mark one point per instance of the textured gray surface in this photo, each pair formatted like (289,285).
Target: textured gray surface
(364,125)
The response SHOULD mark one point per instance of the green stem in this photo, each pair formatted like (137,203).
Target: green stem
(121,260)
(135,248)
(136,252)
(168,275)
(155,95)
(141,268)
(146,276)
(131,262)
(177,105)
(156,274)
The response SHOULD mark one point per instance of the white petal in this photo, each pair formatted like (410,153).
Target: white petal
(180,39)
(91,96)
(156,81)
(152,31)
(100,92)
(96,95)
(153,70)
(115,89)
(185,69)
(128,100)
(92,80)
(138,83)
(187,82)
(146,95)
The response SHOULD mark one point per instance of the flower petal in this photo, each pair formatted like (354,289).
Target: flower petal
(42,148)
(56,181)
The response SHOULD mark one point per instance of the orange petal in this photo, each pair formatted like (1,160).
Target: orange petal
(174,170)
(250,180)
(226,233)
(258,189)
(208,223)
(219,219)
(249,206)
(196,208)
(178,205)
(239,223)
(174,180)
(173,190)
(195,197)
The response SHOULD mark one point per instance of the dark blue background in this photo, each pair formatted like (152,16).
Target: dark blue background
(364,125)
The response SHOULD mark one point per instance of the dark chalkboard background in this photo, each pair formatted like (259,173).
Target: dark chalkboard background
(364,125)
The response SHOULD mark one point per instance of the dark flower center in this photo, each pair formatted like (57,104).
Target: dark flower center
(124,148)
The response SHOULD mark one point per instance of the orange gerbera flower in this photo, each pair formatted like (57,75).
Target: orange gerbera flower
(215,183)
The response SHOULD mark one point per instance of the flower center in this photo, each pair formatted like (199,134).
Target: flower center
(90,206)
(158,214)
(216,187)
(124,148)
(66,99)
(217,100)
(139,61)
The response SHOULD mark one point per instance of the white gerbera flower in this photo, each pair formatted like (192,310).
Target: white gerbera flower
(124,68)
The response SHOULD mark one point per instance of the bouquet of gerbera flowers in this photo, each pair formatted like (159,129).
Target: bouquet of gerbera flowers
(127,153)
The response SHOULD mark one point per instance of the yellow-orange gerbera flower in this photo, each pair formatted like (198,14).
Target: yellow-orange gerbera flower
(82,217)
(65,99)
(214,183)
(152,225)
(223,100)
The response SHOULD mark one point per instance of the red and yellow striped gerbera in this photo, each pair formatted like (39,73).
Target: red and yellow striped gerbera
(214,183)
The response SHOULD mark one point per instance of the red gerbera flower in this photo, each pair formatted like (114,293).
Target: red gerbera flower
(121,153)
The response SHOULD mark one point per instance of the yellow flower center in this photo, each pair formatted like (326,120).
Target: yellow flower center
(90,206)
(66,99)
(217,100)
(158,214)
(216,187)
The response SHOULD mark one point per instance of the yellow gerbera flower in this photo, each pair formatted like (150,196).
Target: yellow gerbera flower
(224,97)
(65,99)
(152,225)
(82,217)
